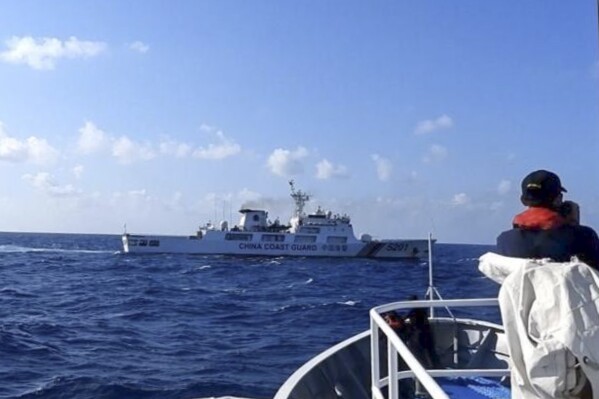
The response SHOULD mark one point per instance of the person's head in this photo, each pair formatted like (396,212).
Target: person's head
(392,319)
(542,188)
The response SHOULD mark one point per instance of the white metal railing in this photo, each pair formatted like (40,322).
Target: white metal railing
(415,369)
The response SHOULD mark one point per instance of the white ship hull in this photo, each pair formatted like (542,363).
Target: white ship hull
(216,243)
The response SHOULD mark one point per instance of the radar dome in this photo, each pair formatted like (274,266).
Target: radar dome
(366,238)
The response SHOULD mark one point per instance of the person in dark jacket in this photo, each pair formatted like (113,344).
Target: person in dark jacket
(549,227)
(421,340)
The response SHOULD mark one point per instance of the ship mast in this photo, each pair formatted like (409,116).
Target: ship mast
(299,198)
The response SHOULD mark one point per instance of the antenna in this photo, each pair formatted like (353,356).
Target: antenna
(299,198)
(432,290)
(214,209)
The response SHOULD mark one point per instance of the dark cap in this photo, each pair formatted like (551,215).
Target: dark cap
(540,188)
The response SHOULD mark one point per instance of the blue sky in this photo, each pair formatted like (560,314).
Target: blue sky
(411,116)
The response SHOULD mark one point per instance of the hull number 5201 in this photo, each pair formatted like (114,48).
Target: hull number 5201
(400,246)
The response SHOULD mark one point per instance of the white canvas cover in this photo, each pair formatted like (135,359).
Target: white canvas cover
(550,312)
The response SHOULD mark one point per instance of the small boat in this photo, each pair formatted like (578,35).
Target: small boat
(475,359)
(315,234)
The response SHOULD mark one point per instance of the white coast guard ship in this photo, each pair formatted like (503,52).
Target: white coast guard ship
(317,234)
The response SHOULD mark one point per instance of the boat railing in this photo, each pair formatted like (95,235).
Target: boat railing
(396,346)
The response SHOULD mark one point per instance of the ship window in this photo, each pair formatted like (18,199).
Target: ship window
(154,243)
(310,230)
(133,243)
(238,237)
(273,237)
(305,239)
(143,243)
(256,218)
(336,240)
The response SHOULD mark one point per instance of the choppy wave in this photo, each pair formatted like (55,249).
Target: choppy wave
(78,321)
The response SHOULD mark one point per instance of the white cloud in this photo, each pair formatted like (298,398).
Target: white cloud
(383,167)
(436,153)
(175,148)
(40,151)
(504,187)
(223,149)
(42,53)
(32,149)
(287,163)
(139,47)
(128,151)
(11,149)
(45,183)
(77,171)
(431,125)
(91,139)
(460,199)
(140,194)
(326,170)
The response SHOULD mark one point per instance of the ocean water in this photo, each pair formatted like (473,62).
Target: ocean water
(79,319)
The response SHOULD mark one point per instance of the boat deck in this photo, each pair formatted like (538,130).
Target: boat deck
(474,388)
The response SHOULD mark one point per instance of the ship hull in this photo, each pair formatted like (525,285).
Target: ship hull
(387,249)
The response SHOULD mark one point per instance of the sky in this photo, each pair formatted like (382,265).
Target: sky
(412,117)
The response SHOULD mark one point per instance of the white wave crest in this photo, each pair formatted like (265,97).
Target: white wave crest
(17,249)
(308,281)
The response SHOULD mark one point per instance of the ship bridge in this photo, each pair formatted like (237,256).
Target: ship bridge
(322,218)
(253,219)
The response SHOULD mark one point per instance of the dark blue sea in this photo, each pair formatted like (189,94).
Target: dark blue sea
(79,319)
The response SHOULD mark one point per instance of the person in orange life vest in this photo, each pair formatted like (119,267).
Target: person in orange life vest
(550,227)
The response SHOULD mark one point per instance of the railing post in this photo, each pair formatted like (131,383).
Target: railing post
(431,288)
(392,367)
(375,372)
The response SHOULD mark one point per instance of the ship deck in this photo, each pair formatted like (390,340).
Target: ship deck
(474,388)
